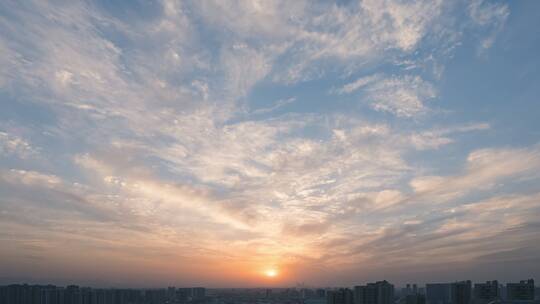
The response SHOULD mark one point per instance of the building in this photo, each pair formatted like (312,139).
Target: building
(320,293)
(50,294)
(183,294)
(341,296)
(486,292)
(409,290)
(359,294)
(171,293)
(415,299)
(522,291)
(380,292)
(199,292)
(438,293)
(461,292)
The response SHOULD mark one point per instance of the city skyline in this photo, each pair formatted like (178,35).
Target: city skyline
(380,292)
(268,143)
(412,287)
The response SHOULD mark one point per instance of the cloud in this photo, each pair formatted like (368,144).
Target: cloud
(488,15)
(434,139)
(485,13)
(158,158)
(305,229)
(280,103)
(483,170)
(469,235)
(15,145)
(403,96)
(358,84)
(30,177)
(306,35)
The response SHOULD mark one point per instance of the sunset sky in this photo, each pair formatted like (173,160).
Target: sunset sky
(269,143)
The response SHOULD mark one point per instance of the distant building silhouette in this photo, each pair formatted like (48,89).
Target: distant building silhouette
(340,296)
(461,292)
(199,292)
(183,294)
(415,299)
(380,292)
(438,293)
(486,292)
(523,291)
(409,290)
(50,294)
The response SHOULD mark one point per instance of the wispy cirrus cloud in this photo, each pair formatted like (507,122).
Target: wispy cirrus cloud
(403,96)
(489,15)
(483,170)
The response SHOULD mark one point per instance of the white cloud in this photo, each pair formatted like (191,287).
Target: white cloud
(484,169)
(407,22)
(14,145)
(278,104)
(434,139)
(243,67)
(484,13)
(307,34)
(358,84)
(403,96)
(488,15)
(30,178)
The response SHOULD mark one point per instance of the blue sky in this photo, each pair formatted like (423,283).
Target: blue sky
(175,142)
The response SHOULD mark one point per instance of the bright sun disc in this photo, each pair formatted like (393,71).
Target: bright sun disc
(271,273)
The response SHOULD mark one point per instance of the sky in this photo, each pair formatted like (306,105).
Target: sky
(181,143)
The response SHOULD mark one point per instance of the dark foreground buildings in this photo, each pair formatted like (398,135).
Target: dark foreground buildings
(381,292)
(487,292)
(522,291)
(50,294)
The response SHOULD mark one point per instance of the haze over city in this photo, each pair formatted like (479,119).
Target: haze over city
(269,143)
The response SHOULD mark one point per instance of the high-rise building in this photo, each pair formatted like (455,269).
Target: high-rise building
(438,293)
(409,290)
(380,292)
(50,294)
(359,294)
(199,292)
(486,292)
(524,290)
(461,292)
(72,295)
(183,294)
(171,293)
(341,296)
(415,299)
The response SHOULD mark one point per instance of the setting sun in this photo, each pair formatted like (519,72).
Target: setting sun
(271,273)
